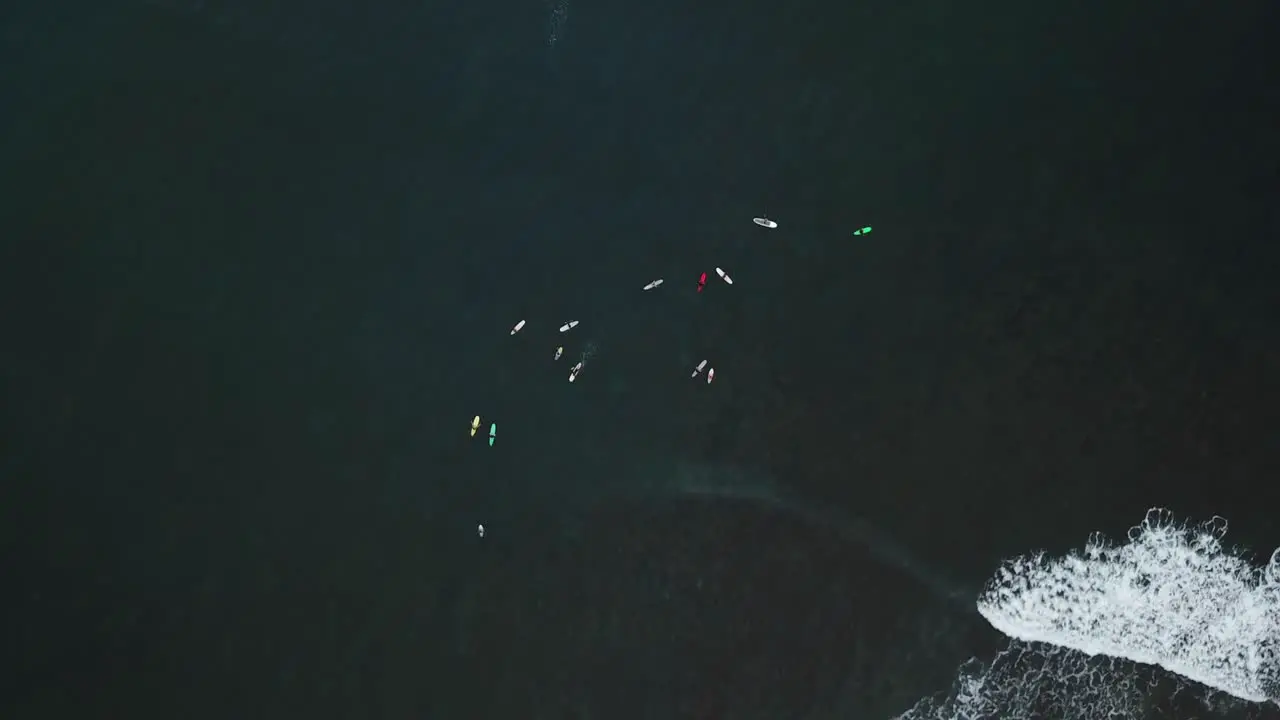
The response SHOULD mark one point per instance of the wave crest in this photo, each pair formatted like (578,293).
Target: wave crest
(1171,596)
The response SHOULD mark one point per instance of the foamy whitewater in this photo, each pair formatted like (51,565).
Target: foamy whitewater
(1085,629)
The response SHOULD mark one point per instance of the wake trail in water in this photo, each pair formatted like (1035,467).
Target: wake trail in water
(726,482)
(1088,630)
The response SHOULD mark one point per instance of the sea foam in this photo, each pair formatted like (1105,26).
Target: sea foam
(1094,634)
(1171,596)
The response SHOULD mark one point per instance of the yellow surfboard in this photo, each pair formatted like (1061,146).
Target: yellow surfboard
(475,425)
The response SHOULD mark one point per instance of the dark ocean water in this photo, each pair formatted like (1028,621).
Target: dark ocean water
(260,260)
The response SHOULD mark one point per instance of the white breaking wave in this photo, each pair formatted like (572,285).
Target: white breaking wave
(1172,596)
(1084,628)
